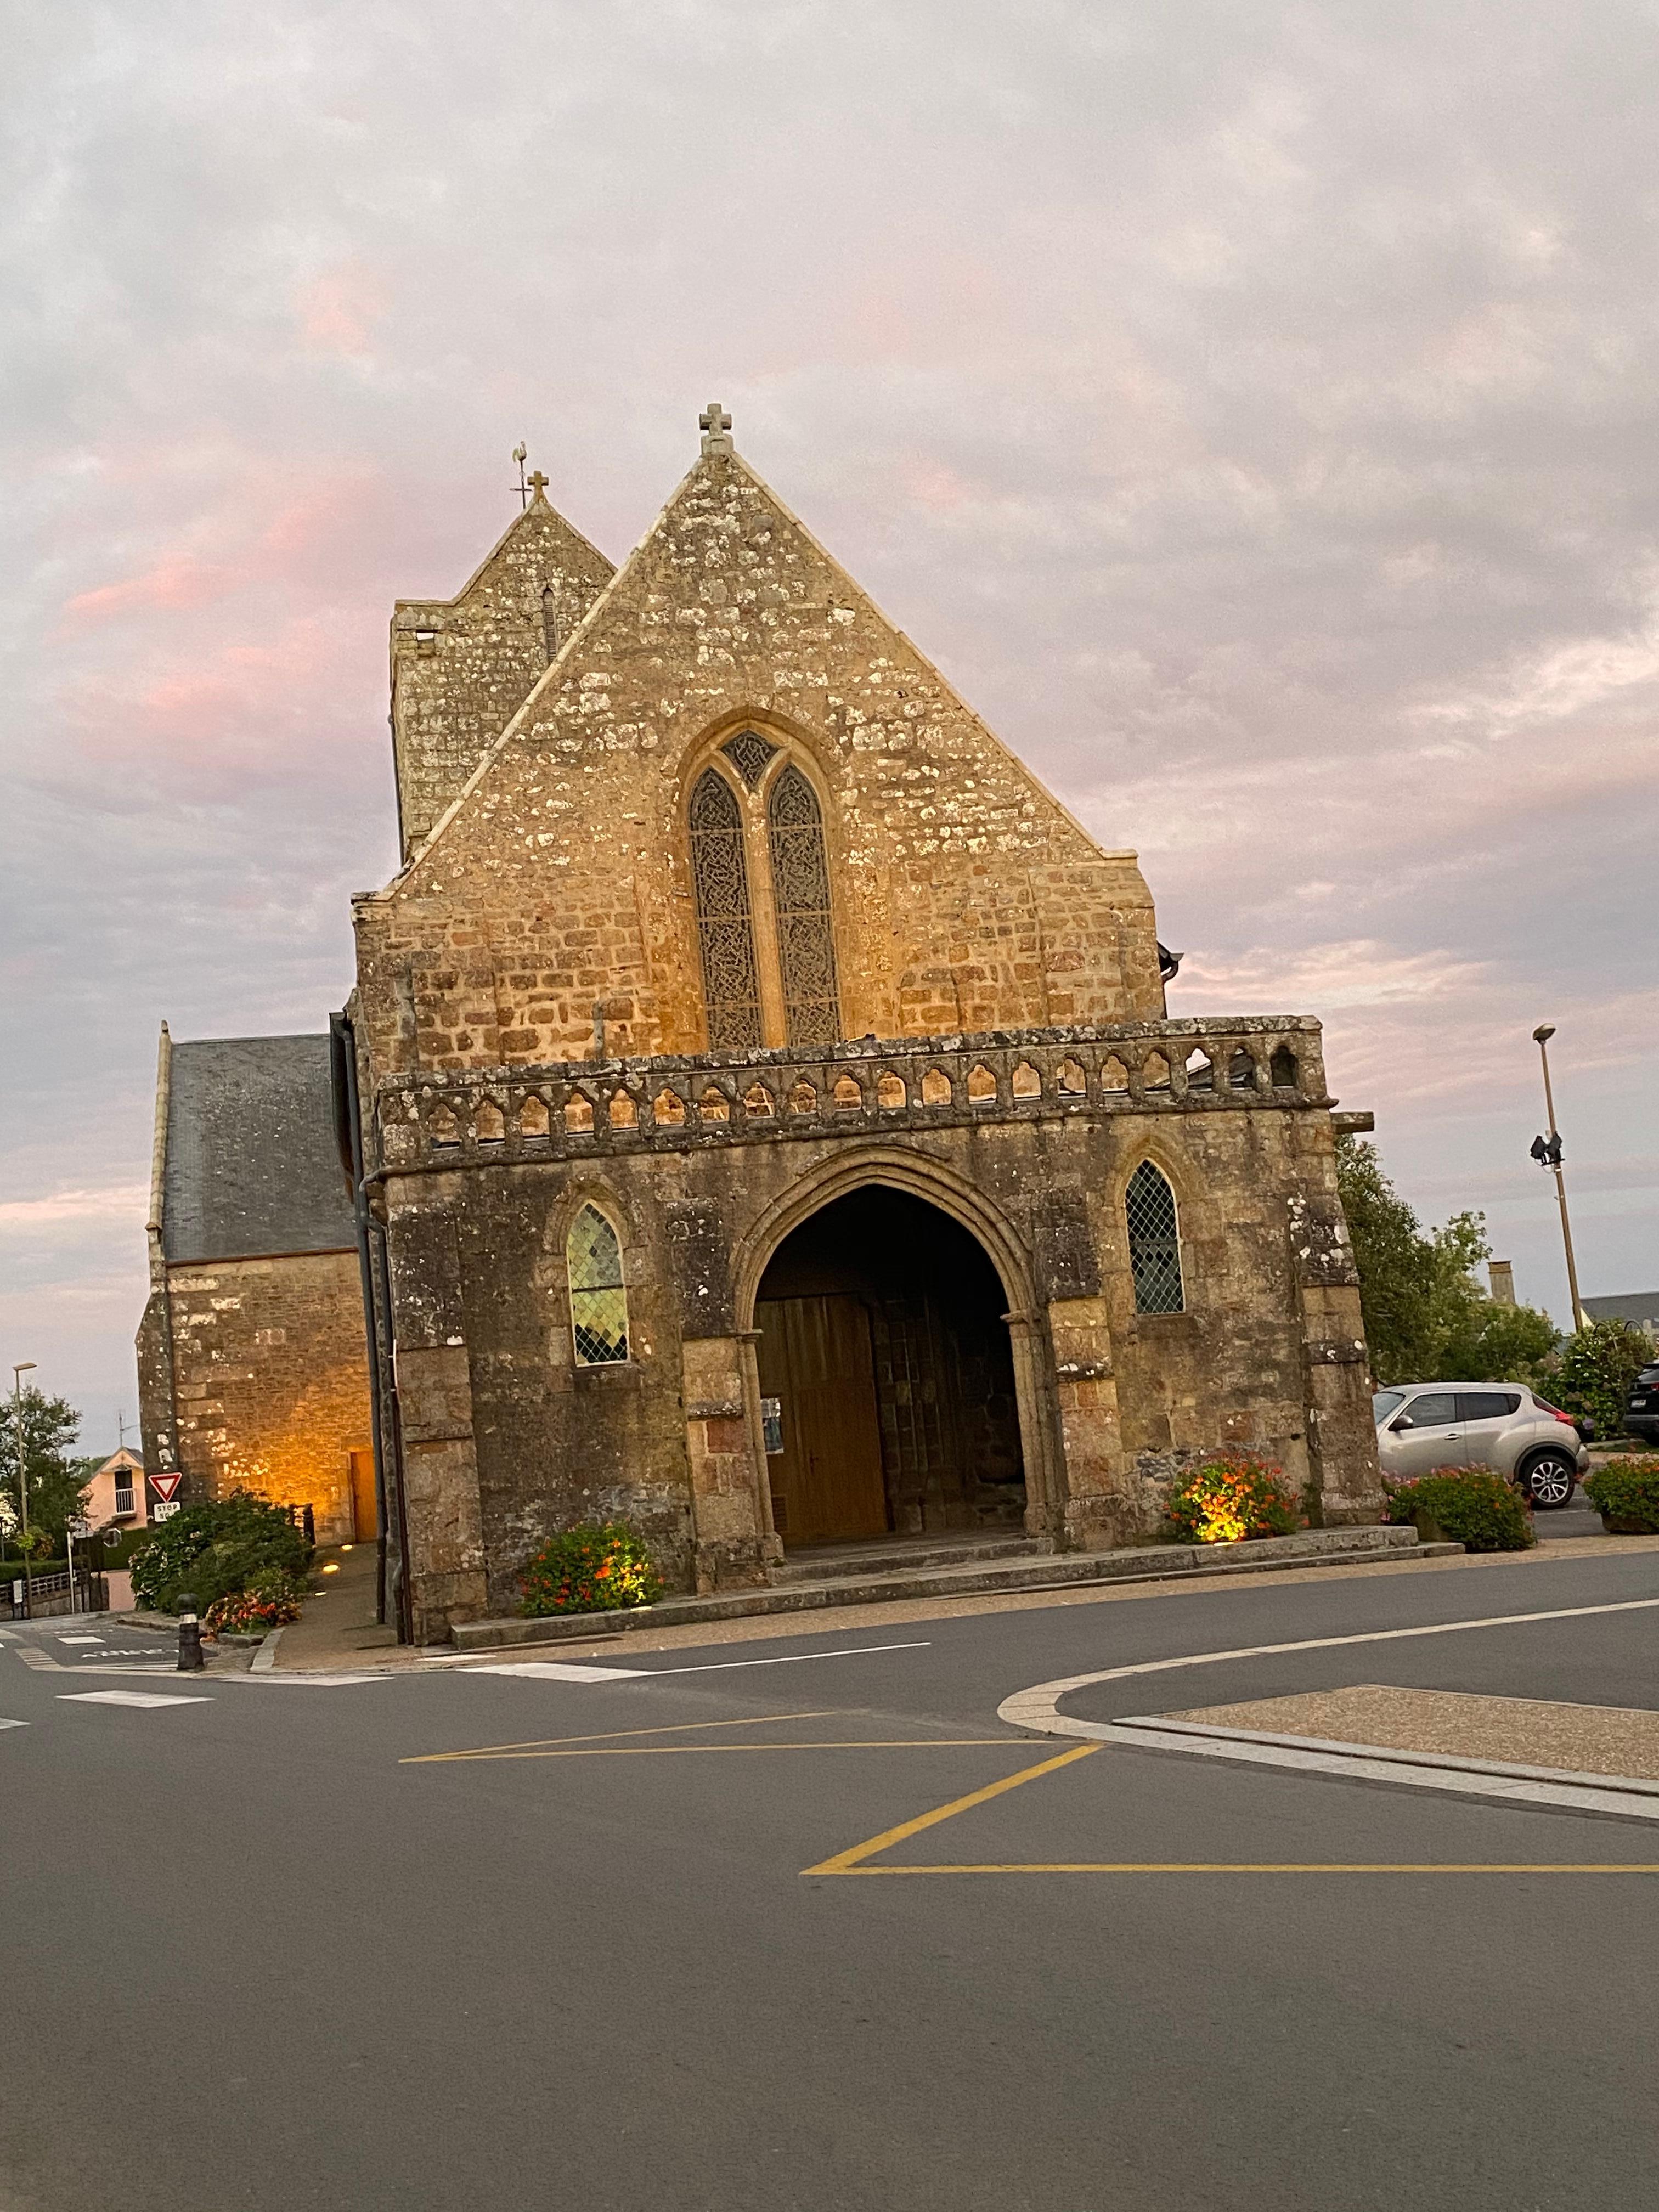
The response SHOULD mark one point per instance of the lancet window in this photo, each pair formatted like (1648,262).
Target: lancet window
(598,1296)
(800,892)
(1154,1242)
(760,870)
(726,929)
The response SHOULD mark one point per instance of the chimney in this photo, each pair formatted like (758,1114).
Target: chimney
(1502,1272)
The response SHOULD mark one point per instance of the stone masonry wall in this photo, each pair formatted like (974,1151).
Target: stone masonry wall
(462,667)
(271,1379)
(965,897)
(1268,1354)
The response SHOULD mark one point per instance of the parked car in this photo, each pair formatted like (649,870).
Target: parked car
(1642,1414)
(1501,1426)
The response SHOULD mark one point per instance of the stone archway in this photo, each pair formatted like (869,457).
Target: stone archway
(886,1308)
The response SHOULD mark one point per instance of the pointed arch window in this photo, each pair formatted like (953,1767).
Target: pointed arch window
(598,1296)
(1154,1242)
(801,893)
(726,933)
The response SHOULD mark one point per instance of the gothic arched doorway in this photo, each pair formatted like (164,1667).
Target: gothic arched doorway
(883,1343)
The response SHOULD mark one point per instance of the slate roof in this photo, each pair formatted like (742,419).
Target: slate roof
(251,1167)
(1639,1307)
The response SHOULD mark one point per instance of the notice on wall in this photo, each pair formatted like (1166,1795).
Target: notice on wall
(772,1424)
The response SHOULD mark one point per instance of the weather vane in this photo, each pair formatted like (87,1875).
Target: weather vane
(521,454)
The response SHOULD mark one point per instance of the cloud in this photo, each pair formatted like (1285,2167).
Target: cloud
(1249,410)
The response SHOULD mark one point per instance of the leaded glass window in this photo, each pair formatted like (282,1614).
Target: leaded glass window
(598,1300)
(720,875)
(800,892)
(1154,1242)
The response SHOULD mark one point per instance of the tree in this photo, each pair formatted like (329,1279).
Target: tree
(1427,1318)
(57,1483)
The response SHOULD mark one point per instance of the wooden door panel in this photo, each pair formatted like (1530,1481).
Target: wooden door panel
(815,1356)
(365,1514)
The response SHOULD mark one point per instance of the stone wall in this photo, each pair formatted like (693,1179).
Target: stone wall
(965,897)
(462,667)
(520,1440)
(271,1380)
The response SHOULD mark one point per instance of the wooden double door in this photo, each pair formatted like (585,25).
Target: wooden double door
(816,1360)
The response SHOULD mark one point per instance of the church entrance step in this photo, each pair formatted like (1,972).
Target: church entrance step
(818,1563)
(1313,1547)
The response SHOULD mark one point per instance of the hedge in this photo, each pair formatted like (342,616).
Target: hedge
(215,1548)
(1469,1505)
(1625,1493)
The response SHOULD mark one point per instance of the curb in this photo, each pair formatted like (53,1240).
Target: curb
(1378,1545)
(264,1659)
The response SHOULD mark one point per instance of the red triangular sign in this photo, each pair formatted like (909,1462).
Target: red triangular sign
(165,1486)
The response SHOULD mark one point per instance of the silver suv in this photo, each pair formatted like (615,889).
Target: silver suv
(1421,1426)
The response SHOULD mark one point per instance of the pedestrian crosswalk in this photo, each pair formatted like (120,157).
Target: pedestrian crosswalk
(139,1698)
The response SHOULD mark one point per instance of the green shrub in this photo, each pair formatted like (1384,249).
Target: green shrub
(1229,1497)
(1469,1505)
(1625,1493)
(214,1549)
(600,1567)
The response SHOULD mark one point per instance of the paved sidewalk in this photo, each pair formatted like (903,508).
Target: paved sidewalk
(337,1627)
(339,1631)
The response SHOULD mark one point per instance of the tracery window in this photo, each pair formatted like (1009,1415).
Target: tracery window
(720,875)
(1154,1242)
(801,893)
(598,1297)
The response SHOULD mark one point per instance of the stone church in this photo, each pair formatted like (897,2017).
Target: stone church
(765,1117)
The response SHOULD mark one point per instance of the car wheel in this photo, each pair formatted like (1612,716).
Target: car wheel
(1550,1479)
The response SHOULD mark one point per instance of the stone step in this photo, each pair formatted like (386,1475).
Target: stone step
(1313,1547)
(830,1562)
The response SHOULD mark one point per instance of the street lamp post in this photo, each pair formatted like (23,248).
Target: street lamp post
(23,1367)
(1547,1153)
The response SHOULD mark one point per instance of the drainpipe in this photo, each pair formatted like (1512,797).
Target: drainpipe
(154,1233)
(349,1138)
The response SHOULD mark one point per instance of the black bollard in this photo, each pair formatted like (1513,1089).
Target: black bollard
(190,1661)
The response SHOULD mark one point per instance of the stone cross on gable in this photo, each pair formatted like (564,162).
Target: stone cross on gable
(537,482)
(716,427)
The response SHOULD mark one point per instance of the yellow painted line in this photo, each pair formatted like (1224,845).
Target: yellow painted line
(847,1862)
(693,1750)
(614,1736)
(1182,1866)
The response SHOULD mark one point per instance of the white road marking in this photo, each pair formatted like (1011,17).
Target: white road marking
(124,1697)
(1036,1708)
(79,1639)
(548,1670)
(14,1723)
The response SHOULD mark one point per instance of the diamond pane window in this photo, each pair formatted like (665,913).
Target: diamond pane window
(599,1301)
(1154,1242)
(800,890)
(719,876)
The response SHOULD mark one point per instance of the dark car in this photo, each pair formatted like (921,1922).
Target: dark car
(1642,1413)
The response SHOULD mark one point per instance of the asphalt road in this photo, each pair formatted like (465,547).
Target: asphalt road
(282,1948)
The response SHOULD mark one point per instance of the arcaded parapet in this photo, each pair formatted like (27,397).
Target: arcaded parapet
(462,667)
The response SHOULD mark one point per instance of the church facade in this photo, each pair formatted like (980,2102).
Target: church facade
(770,1122)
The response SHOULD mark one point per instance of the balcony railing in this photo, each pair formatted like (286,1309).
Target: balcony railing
(671,1103)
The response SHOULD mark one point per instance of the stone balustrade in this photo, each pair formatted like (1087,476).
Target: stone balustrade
(582,1109)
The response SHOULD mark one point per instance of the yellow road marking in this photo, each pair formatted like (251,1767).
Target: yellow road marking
(613,1735)
(1179,1866)
(847,1862)
(691,1750)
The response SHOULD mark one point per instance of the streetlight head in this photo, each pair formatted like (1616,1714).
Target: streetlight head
(1543,1033)
(24,1367)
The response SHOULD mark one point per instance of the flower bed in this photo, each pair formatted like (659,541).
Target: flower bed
(1231,1497)
(1625,1493)
(271,1599)
(599,1567)
(1466,1506)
